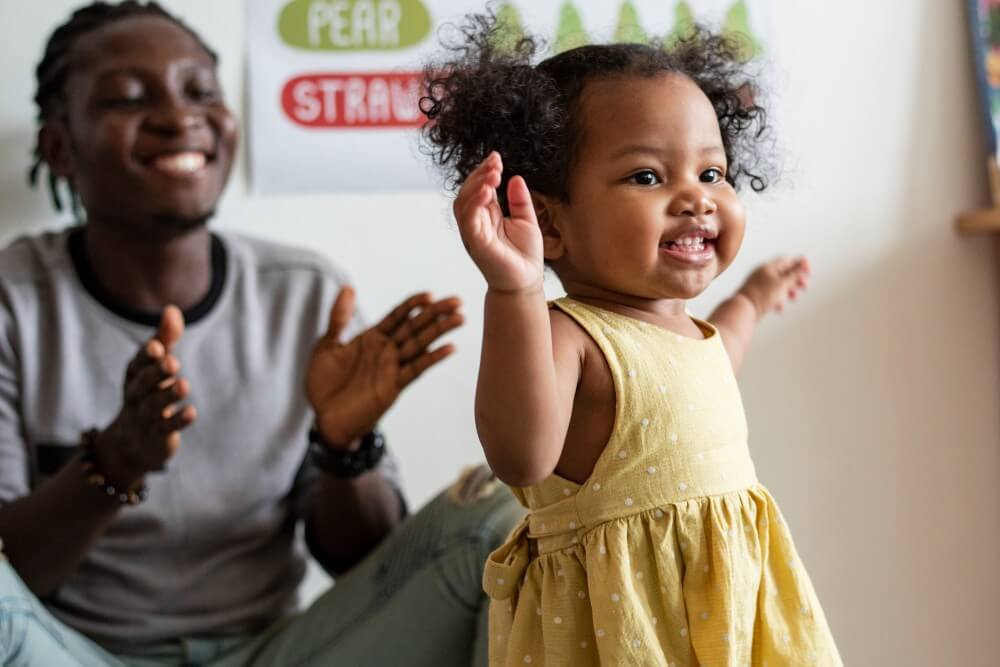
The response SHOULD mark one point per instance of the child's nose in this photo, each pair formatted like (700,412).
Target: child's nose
(691,202)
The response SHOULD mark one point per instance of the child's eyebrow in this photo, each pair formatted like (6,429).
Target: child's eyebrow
(657,151)
(637,149)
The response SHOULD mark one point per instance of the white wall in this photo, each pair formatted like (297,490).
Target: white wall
(873,404)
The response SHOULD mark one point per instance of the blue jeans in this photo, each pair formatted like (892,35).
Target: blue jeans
(416,600)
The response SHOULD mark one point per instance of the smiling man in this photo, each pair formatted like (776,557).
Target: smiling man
(175,404)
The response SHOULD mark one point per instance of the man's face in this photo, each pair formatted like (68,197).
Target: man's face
(151,141)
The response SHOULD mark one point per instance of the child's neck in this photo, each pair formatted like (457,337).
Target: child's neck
(667,313)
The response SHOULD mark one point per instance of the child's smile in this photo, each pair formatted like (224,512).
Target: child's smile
(694,246)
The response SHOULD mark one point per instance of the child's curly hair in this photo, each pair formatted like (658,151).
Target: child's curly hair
(487,94)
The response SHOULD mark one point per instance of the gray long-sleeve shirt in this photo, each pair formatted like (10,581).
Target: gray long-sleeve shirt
(214,550)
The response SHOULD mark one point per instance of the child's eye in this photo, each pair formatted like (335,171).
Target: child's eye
(713,175)
(645,177)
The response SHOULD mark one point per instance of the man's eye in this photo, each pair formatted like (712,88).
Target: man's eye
(206,95)
(712,175)
(123,102)
(645,177)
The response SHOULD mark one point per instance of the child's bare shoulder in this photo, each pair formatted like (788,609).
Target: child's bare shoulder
(569,333)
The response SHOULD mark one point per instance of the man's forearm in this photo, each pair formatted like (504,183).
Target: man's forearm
(351,517)
(49,532)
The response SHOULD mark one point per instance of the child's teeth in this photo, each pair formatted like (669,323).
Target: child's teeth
(689,243)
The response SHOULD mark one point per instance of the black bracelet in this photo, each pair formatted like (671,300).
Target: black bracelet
(94,477)
(346,464)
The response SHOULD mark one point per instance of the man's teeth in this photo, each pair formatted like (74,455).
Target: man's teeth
(180,163)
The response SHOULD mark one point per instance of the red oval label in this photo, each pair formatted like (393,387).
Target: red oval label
(354,100)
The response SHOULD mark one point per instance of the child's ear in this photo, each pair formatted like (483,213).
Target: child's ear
(547,212)
(54,147)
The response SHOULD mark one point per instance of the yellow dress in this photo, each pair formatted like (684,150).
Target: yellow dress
(671,554)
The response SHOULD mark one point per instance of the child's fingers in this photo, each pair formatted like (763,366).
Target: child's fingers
(478,190)
(519,200)
(489,171)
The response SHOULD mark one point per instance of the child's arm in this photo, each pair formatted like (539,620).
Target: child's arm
(766,290)
(526,384)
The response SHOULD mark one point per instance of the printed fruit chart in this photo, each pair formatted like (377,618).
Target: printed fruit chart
(335,85)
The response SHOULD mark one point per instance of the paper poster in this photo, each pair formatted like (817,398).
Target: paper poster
(335,85)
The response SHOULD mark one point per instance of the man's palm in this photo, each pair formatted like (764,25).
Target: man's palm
(351,385)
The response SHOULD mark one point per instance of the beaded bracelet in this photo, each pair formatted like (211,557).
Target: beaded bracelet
(94,477)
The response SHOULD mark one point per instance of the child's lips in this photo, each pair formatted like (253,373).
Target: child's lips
(693,254)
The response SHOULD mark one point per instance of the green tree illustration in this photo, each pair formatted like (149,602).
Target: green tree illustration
(683,23)
(629,29)
(993,23)
(510,29)
(737,24)
(571,32)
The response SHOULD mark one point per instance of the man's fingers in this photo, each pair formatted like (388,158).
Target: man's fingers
(416,368)
(401,313)
(157,405)
(412,326)
(171,326)
(151,352)
(178,419)
(341,313)
(426,336)
(150,378)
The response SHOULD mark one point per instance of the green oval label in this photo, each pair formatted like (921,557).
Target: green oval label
(354,25)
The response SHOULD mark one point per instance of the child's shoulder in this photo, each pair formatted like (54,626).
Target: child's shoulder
(570,336)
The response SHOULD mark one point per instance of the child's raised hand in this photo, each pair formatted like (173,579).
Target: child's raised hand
(771,285)
(508,251)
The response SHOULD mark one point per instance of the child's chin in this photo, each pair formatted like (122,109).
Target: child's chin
(692,285)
